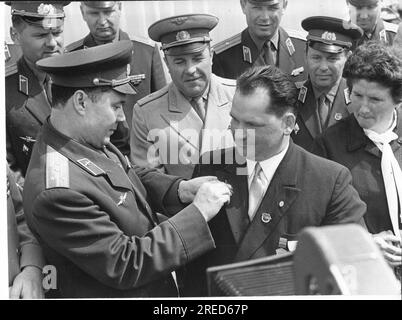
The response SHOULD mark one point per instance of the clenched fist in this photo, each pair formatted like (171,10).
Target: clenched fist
(211,196)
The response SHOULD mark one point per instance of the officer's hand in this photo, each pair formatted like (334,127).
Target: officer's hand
(390,246)
(28,284)
(188,189)
(211,196)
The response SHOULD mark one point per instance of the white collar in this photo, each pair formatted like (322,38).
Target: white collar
(268,166)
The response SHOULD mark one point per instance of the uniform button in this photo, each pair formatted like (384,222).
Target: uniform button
(266,217)
(281,204)
(400,140)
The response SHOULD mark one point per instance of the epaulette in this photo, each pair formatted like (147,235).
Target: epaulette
(153,96)
(226,44)
(297,34)
(226,81)
(75,45)
(57,169)
(143,40)
(11,69)
(390,26)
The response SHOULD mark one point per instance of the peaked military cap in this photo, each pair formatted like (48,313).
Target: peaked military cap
(363,3)
(183,34)
(100,4)
(46,14)
(101,66)
(330,34)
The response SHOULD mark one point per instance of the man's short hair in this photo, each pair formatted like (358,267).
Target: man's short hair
(60,94)
(280,87)
(375,62)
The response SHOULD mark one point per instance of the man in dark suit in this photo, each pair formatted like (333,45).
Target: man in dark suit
(85,204)
(263,42)
(38,29)
(103,20)
(278,187)
(323,99)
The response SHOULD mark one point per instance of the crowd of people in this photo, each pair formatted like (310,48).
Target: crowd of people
(131,185)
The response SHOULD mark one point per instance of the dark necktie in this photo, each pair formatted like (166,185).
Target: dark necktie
(199,107)
(323,111)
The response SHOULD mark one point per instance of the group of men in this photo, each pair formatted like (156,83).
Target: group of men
(128,178)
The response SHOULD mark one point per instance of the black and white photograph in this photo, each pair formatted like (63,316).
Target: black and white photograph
(201,150)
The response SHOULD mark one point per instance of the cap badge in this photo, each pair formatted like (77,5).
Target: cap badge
(128,69)
(328,36)
(179,20)
(182,35)
(46,9)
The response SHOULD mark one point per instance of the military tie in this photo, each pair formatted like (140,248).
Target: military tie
(323,111)
(199,107)
(257,190)
(266,55)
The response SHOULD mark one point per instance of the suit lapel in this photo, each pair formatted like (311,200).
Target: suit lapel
(217,119)
(249,45)
(308,111)
(285,61)
(236,211)
(281,194)
(37,103)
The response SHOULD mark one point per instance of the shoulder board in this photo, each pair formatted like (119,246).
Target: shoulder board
(226,81)
(390,26)
(153,96)
(75,45)
(11,69)
(57,170)
(143,40)
(297,34)
(299,84)
(226,44)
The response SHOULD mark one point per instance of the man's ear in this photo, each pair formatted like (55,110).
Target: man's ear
(79,101)
(15,36)
(285,4)
(289,121)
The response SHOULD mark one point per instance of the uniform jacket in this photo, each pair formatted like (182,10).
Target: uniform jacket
(308,124)
(233,56)
(26,110)
(305,191)
(23,248)
(166,128)
(384,32)
(347,144)
(146,60)
(92,217)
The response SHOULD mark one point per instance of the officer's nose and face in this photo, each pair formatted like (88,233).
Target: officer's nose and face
(365,17)
(38,42)
(103,112)
(324,68)
(191,72)
(263,17)
(103,23)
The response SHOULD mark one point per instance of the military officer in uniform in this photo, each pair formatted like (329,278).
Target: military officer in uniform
(367,15)
(37,27)
(323,99)
(85,203)
(103,20)
(263,42)
(172,127)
